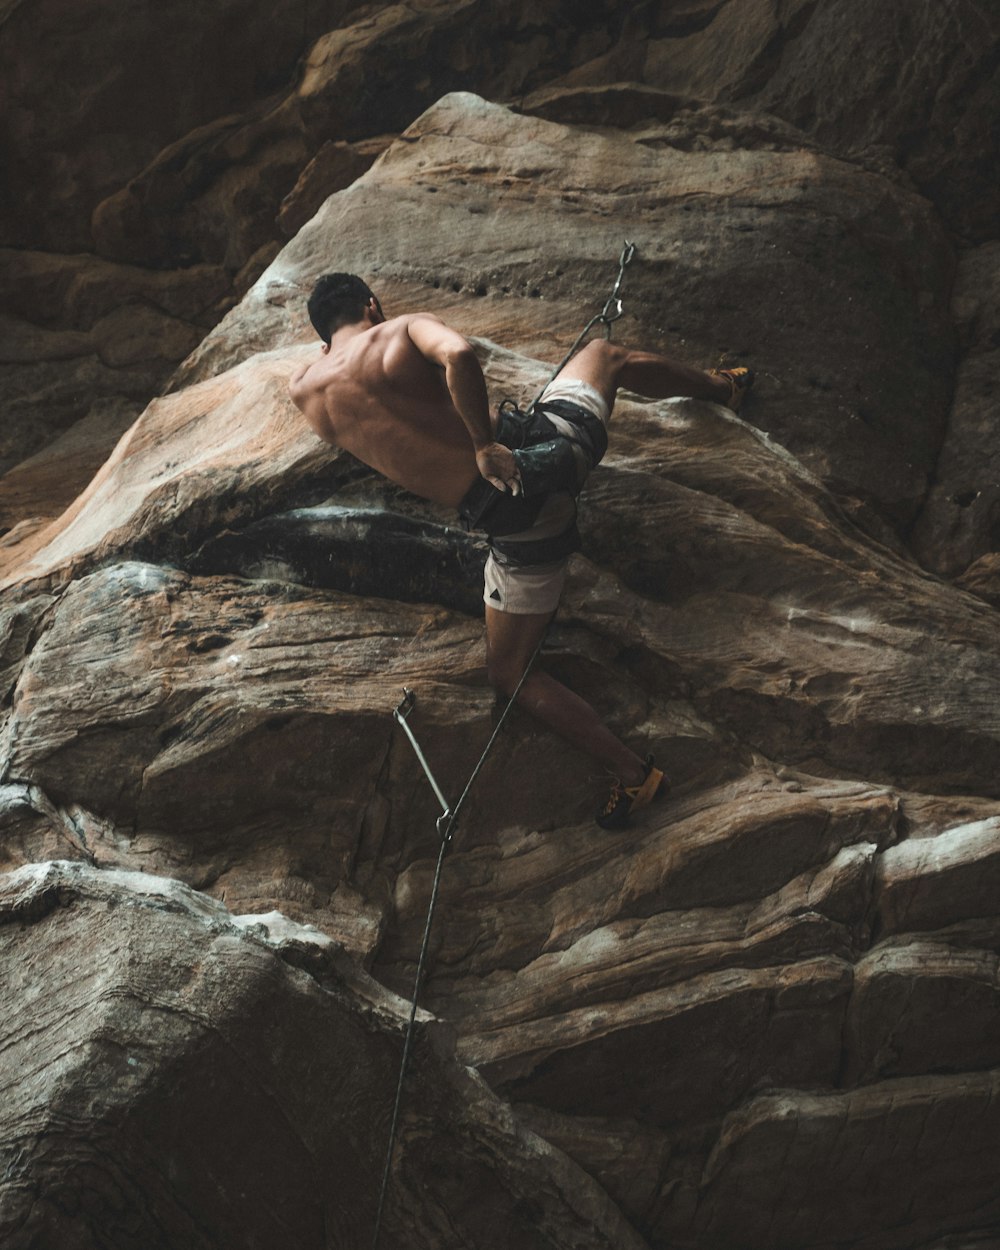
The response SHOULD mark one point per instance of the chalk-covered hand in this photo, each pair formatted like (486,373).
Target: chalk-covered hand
(497,464)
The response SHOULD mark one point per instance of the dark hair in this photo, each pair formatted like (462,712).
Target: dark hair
(337,299)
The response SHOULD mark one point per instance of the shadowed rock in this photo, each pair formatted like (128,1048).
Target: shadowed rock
(765,1014)
(199,1079)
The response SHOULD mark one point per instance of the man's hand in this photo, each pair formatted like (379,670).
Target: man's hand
(497,464)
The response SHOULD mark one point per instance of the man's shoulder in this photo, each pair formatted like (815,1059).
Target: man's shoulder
(404,321)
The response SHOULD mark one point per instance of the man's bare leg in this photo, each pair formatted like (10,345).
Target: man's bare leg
(606,366)
(511,640)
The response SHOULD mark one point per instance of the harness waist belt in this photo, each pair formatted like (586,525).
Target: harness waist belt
(547,461)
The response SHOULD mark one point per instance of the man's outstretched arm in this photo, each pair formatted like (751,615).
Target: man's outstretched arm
(466,385)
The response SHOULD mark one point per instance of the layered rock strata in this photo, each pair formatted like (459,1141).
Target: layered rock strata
(764,1015)
(203,1079)
(180,187)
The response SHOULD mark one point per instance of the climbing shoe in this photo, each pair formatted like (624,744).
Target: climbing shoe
(740,380)
(624,800)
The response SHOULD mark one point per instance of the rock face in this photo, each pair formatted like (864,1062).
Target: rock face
(211,1080)
(766,1014)
(164,197)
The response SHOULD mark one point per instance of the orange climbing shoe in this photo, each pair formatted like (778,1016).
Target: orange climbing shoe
(624,800)
(740,381)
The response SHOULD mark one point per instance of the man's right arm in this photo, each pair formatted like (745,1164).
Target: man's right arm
(450,351)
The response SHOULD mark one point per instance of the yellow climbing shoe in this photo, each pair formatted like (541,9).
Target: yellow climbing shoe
(624,800)
(740,381)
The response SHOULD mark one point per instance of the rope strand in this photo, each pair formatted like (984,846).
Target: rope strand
(449,820)
(605,317)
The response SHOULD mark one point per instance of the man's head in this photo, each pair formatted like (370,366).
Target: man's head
(339,299)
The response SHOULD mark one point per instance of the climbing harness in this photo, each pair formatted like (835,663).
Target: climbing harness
(446,824)
(447,821)
(547,461)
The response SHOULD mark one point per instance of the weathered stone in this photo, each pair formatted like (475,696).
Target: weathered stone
(329,546)
(84,342)
(982,578)
(174,463)
(335,166)
(40,487)
(829,244)
(199,718)
(193,167)
(920,1006)
(70,150)
(767,1150)
(764,1015)
(959,523)
(910,84)
(191,1084)
(927,883)
(236,734)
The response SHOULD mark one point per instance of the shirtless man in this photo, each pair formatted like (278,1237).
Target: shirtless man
(407,397)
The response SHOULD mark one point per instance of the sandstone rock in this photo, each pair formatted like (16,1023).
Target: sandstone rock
(85,343)
(766,1014)
(235,733)
(219,166)
(960,520)
(916,82)
(226,427)
(205,1079)
(70,150)
(42,486)
(982,578)
(335,166)
(780,1139)
(717,231)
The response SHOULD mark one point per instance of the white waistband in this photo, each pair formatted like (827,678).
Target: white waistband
(576,391)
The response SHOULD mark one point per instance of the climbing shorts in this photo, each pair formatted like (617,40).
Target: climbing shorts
(523,590)
(525,571)
(576,391)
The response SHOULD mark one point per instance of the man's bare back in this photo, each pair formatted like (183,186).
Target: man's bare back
(407,398)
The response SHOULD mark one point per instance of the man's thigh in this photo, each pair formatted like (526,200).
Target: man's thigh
(511,641)
(598,364)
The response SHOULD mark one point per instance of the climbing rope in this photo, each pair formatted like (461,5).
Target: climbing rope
(447,821)
(609,314)
(446,824)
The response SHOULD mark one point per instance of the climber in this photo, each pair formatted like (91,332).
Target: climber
(407,397)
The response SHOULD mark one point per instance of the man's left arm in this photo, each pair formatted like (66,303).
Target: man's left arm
(466,385)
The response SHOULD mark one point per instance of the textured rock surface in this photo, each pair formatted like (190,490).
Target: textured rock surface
(194,171)
(203,1079)
(860,338)
(960,520)
(765,1016)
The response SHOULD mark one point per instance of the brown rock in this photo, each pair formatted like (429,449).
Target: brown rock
(982,578)
(960,520)
(68,156)
(824,244)
(203,1079)
(85,340)
(335,166)
(39,488)
(236,734)
(907,84)
(767,1150)
(786,968)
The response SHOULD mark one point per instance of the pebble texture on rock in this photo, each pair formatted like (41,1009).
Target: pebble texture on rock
(763,1017)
